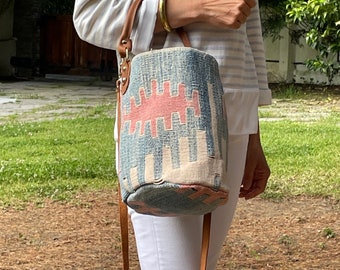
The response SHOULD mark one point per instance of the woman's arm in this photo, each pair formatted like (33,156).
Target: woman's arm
(257,171)
(220,13)
(100,21)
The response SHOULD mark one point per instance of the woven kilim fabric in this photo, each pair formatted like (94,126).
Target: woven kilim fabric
(173,134)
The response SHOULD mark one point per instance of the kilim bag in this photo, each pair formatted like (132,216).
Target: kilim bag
(172,132)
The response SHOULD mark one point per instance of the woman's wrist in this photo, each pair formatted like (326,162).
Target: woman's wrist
(162,12)
(176,13)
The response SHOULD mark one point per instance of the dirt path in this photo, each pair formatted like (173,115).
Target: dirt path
(84,234)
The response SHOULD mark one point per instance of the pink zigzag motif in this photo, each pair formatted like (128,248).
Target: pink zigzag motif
(161,105)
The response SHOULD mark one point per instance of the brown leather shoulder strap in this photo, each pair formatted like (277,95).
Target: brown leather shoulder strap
(125,40)
(205,240)
(124,46)
(184,36)
(124,231)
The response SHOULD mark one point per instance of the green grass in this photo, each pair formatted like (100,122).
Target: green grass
(304,157)
(303,153)
(55,159)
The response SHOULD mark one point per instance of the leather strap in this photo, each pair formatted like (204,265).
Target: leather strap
(124,48)
(124,230)
(205,241)
(184,36)
(123,211)
(125,40)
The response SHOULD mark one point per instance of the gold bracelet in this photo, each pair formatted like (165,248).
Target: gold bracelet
(162,15)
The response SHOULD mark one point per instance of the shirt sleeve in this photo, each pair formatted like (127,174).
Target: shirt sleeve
(100,22)
(254,33)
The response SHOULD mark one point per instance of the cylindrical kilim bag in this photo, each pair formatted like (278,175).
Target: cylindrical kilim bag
(172,129)
(173,134)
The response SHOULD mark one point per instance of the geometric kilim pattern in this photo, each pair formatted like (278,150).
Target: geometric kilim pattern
(157,103)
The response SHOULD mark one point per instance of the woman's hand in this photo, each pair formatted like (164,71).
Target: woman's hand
(226,13)
(256,172)
(220,13)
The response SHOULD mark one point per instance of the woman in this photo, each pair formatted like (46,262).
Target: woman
(230,30)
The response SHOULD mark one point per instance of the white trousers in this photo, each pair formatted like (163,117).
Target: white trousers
(174,243)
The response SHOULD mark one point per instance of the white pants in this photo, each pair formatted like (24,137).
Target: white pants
(174,243)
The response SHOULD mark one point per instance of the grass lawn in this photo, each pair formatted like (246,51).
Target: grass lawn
(56,159)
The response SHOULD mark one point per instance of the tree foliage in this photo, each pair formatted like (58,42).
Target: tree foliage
(273,17)
(319,22)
